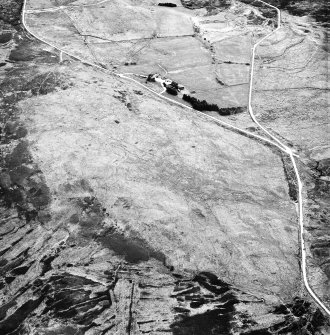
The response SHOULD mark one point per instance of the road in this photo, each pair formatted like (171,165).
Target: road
(275,141)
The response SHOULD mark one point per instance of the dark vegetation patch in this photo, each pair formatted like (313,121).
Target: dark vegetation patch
(323,166)
(304,319)
(22,185)
(22,83)
(45,83)
(5,38)
(167,4)
(202,105)
(171,90)
(211,5)
(74,218)
(290,176)
(318,9)
(319,221)
(133,249)
(124,98)
(246,321)
(91,217)
(10,11)
(19,84)
(27,50)
(299,318)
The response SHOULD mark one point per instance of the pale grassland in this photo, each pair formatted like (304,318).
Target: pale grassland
(138,37)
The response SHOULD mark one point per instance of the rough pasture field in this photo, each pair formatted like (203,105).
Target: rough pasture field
(235,49)
(61,32)
(203,52)
(136,158)
(237,74)
(121,21)
(203,81)
(172,53)
(297,101)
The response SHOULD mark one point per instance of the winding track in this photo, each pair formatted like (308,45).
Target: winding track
(290,153)
(275,141)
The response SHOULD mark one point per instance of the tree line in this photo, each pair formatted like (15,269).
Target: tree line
(202,105)
(167,4)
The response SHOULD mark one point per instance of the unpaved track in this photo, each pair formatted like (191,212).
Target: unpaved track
(54,9)
(219,122)
(275,141)
(290,153)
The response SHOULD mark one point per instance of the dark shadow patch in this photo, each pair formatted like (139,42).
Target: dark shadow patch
(63,330)
(9,279)
(22,184)
(204,289)
(211,322)
(18,156)
(21,270)
(5,38)
(78,304)
(134,250)
(15,320)
(47,263)
(212,283)
(14,130)
(30,50)
(258,332)
(299,318)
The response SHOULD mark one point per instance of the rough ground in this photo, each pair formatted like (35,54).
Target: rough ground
(298,110)
(123,214)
